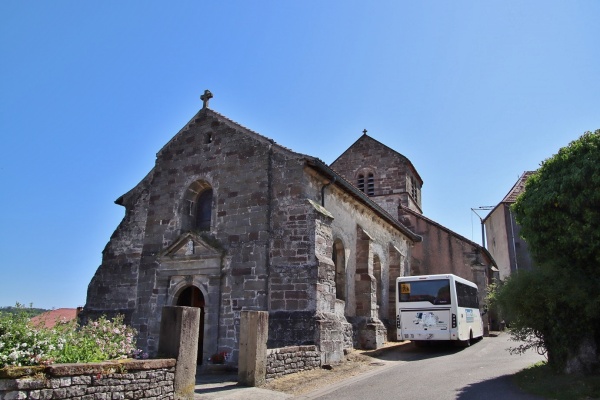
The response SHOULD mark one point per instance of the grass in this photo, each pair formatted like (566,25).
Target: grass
(540,380)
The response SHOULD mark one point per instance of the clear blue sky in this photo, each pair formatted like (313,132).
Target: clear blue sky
(473,93)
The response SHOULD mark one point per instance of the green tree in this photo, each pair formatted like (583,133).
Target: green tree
(557,305)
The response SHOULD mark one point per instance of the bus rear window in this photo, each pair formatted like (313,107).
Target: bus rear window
(435,291)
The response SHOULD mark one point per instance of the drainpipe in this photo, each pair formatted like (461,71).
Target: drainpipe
(323,190)
(512,234)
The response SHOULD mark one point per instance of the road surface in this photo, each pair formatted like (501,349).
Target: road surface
(481,371)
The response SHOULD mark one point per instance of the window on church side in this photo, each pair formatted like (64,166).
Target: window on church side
(378,280)
(361,182)
(339,260)
(204,210)
(370,185)
(414,189)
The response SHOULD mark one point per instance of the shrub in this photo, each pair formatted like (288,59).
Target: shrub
(557,304)
(23,345)
(20,343)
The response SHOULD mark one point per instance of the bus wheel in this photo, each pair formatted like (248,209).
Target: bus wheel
(467,343)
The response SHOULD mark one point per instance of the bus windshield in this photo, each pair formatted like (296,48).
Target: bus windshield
(435,291)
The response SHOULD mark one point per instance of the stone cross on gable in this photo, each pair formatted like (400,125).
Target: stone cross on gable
(364,131)
(205,98)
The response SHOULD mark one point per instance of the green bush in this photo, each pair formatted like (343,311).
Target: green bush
(555,307)
(23,345)
(20,343)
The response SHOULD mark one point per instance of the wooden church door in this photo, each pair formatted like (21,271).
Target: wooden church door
(192,297)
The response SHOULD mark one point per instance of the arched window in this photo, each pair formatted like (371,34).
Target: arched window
(339,260)
(204,210)
(378,280)
(370,184)
(366,183)
(197,207)
(361,182)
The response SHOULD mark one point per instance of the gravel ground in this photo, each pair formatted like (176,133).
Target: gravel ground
(357,362)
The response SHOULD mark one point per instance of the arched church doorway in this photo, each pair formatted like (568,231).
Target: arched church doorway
(191,296)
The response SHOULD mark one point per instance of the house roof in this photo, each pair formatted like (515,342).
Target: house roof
(513,193)
(450,232)
(518,188)
(50,318)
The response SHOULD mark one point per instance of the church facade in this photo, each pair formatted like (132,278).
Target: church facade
(228,220)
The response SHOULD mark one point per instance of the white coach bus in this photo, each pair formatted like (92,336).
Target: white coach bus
(437,307)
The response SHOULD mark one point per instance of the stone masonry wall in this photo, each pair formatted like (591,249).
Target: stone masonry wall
(390,171)
(293,271)
(211,151)
(113,287)
(289,360)
(136,379)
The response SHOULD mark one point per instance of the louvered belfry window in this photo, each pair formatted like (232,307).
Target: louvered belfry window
(370,185)
(361,182)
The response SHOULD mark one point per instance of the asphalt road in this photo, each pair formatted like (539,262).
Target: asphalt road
(481,371)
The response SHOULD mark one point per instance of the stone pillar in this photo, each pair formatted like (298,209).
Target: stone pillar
(179,328)
(371,331)
(254,332)
(364,284)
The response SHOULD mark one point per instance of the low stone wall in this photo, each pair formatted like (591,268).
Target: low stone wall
(289,360)
(129,379)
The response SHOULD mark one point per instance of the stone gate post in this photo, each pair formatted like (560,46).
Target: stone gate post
(254,332)
(179,328)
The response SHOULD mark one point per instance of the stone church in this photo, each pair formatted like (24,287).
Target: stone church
(228,220)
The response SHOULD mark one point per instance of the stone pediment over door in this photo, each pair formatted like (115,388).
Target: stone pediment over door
(190,255)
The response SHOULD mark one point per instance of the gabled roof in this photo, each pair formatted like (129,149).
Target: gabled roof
(364,136)
(52,317)
(207,112)
(450,232)
(339,181)
(134,193)
(312,161)
(513,193)
(518,188)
